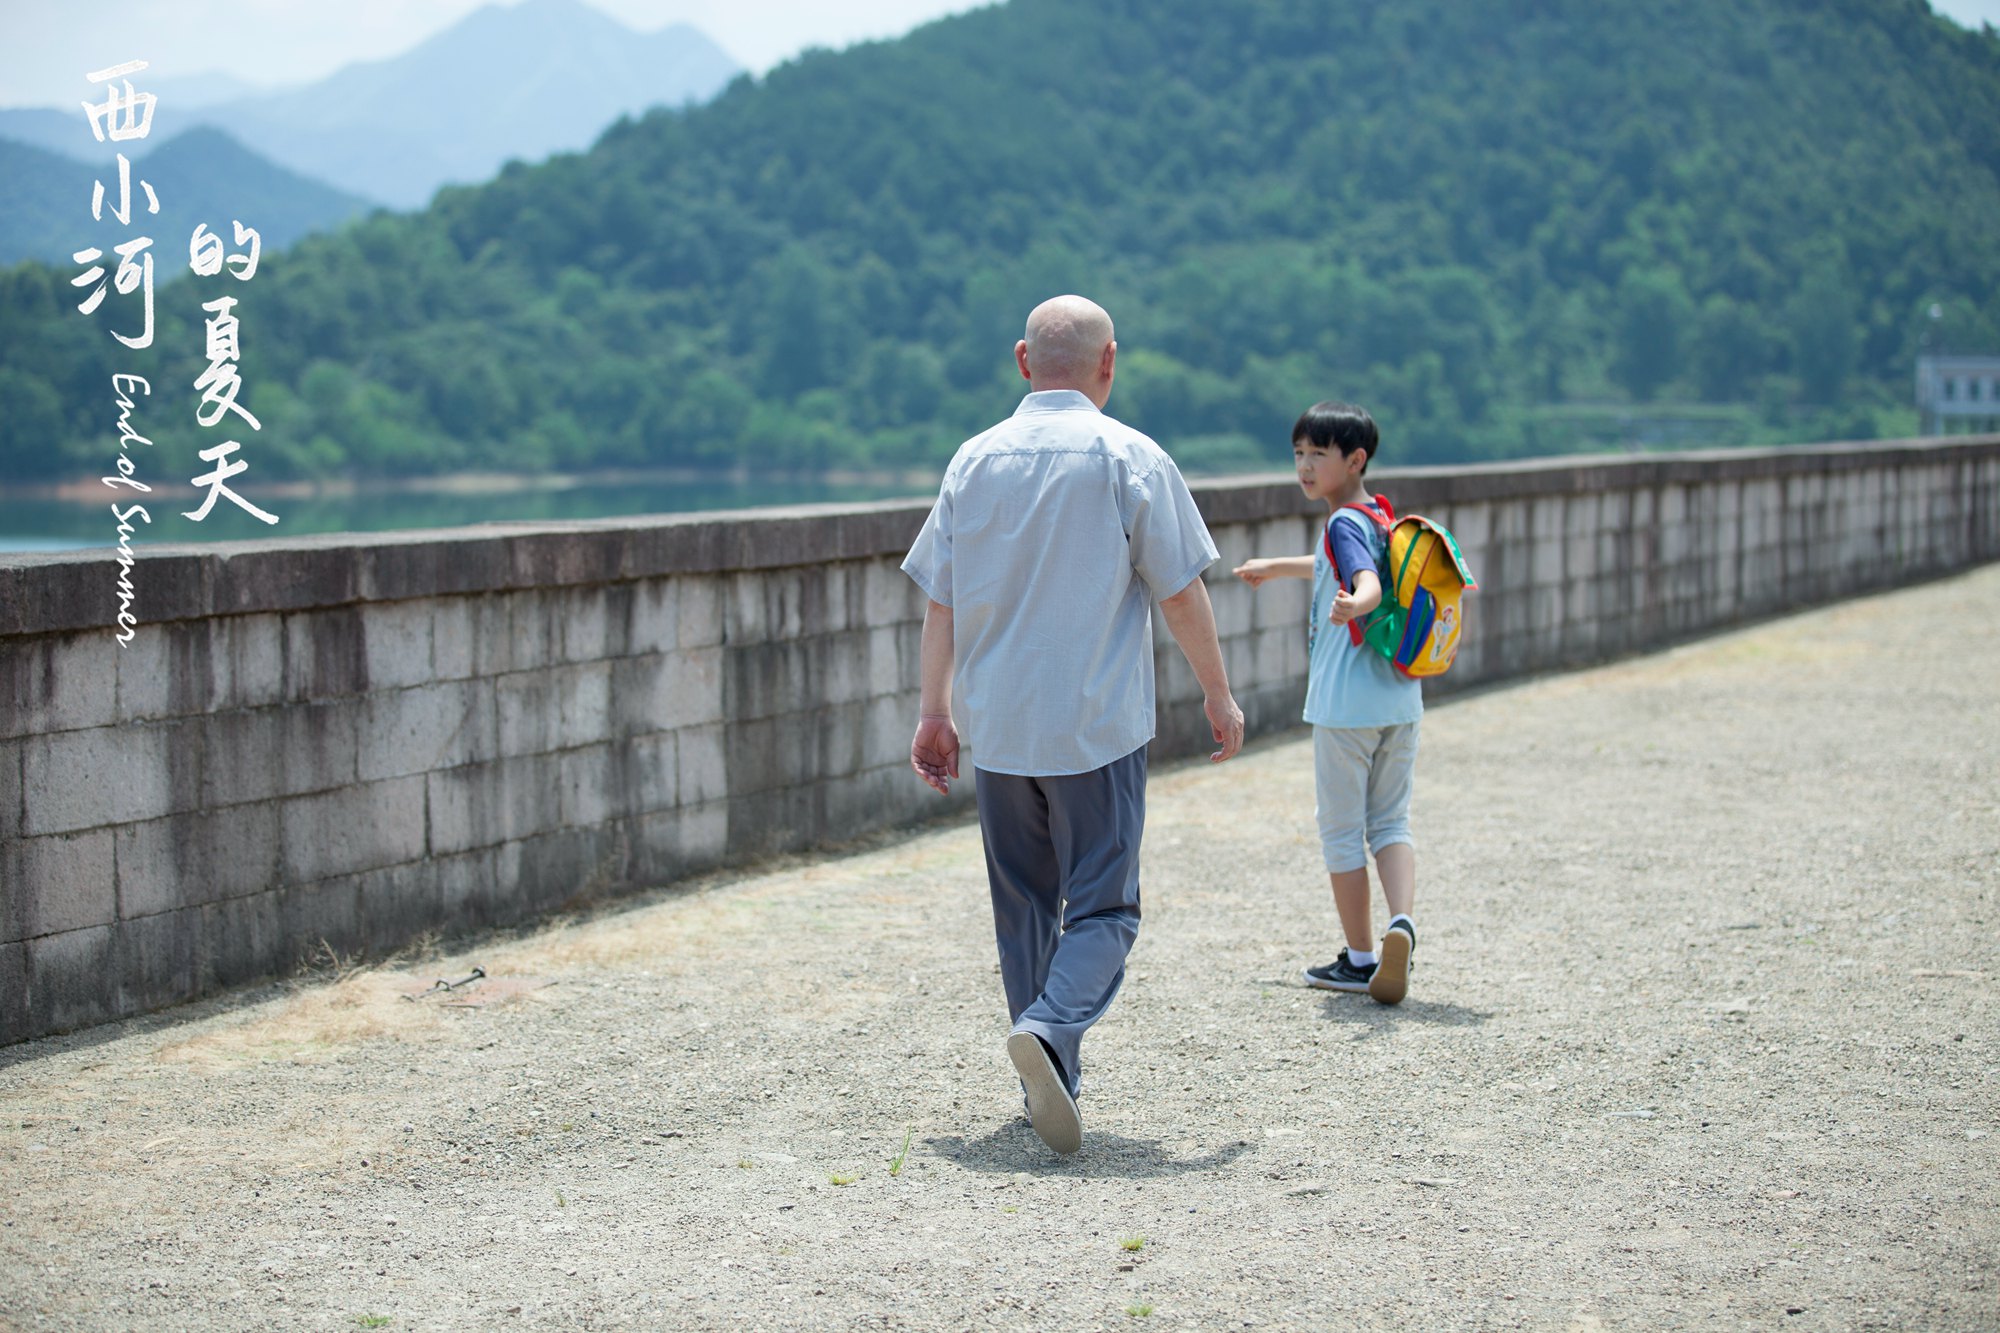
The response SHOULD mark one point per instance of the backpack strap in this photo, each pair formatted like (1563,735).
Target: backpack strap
(1379,511)
(1382,516)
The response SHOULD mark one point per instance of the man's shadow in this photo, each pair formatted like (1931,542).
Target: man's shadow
(1013,1149)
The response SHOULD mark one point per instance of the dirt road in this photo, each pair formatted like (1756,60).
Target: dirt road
(1703,1034)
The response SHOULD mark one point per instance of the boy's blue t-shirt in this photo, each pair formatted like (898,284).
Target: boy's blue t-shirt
(1350,684)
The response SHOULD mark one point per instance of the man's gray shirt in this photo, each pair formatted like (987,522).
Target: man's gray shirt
(1051,536)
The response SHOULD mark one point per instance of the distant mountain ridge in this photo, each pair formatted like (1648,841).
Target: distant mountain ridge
(201,175)
(63,131)
(520,81)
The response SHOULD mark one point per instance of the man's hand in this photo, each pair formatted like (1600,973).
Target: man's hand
(934,750)
(1225,719)
(1191,620)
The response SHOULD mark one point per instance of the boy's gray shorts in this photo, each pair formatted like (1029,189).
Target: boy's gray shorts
(1363,777)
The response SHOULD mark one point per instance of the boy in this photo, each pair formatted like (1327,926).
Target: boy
(1364,713)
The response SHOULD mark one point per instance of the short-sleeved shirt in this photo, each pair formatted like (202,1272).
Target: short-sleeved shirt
(1052,534)
(1350,684)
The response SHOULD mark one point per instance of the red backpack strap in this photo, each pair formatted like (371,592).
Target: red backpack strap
(1381,518)
(1380,513)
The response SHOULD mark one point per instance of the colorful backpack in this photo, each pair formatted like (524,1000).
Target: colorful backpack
(1416,626)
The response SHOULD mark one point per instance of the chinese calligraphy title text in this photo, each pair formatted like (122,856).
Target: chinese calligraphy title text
(126,114)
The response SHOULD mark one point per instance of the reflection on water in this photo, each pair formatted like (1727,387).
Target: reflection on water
(60,525)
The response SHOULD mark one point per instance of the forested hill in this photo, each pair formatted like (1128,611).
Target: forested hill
(1484,220)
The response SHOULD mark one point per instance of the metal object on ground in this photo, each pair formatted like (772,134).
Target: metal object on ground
(442,985)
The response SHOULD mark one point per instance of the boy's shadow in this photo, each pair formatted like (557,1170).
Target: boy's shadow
(1367,1019)
(1013,1149)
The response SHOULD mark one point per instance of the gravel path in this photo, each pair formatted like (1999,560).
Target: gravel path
(1703,1034)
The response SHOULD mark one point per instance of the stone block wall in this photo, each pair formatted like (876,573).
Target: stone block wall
(349,741)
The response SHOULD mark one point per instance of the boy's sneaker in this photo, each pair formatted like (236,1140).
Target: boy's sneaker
(1391,981)
(1341,975)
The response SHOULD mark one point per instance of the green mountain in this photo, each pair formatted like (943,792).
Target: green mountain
(1508,227)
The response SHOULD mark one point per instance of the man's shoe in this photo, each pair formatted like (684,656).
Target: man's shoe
(1391,981)
(1051,1110)
(1340,975)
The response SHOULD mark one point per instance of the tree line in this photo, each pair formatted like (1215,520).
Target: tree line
(1517,227)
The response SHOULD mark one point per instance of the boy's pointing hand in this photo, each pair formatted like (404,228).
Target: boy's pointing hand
(1253,572)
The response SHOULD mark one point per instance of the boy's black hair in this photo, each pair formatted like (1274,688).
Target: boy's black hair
(1342,426)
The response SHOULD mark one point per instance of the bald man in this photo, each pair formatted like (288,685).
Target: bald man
(1053,534)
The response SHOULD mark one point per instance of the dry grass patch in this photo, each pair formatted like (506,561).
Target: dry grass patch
(314,1023)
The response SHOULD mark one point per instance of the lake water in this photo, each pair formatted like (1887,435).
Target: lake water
(62,525)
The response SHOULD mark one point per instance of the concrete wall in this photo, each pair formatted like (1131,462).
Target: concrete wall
(353,740)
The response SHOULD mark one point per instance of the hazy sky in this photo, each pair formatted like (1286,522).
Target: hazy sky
(47,46)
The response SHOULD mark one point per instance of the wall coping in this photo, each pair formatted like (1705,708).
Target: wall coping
(53,592)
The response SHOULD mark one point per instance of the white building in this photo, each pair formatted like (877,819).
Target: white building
(1958,389)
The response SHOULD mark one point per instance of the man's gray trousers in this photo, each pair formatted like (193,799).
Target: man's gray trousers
(1062,859)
